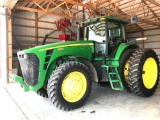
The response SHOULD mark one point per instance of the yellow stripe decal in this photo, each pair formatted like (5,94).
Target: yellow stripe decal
(85,44)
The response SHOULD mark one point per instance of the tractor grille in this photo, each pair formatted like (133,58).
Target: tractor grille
(47,58)
(30,68)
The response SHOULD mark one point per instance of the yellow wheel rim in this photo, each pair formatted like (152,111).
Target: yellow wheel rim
(126,70)
(150,72)
(74,86)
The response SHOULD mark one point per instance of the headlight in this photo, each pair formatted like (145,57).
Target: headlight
(23,55)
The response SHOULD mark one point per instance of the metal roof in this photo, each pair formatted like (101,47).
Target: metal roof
(147,11)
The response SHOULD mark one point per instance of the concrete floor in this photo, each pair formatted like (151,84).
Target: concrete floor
(103,104)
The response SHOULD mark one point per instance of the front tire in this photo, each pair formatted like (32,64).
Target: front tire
(69,85)
(144,72)
(42,92)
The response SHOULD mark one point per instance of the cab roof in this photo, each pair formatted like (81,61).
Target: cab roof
(109,19)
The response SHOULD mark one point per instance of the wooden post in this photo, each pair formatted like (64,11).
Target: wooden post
(6,45)
(83,13)
(9,46)
(143,43)
(36,29)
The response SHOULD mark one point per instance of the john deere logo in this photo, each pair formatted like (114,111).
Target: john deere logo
(60,49)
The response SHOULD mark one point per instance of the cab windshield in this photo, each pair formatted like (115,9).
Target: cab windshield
(96,32)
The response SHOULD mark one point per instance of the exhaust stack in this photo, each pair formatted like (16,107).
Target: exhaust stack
(78,31)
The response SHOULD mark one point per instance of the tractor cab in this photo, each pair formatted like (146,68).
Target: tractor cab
(107,33)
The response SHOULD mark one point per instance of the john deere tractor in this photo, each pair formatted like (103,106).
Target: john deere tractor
(64,71)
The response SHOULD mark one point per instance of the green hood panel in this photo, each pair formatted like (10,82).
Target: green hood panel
(73,48)
(57,45)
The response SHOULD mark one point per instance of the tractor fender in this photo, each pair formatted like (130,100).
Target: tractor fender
(85,61)
(124,47)
(90,67)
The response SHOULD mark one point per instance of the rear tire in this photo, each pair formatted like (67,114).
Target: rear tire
(69,85)
(123,68)
(144,72)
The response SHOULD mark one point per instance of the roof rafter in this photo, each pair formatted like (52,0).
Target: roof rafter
(41,11)
(108,3)
(47,9)
(79,4)
(139,19)
(39,6)
(155,15)
(153,2)
(28,1)
(147,11)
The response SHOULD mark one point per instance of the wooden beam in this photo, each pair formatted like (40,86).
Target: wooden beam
(141,30)
(28,26)
(151,10)
(129,16)
(36,29)
(59,7)
(40,7)
(47,9)
(79,4)
(9,47)
(10,3)
(48,6)
(46,21)
(84,17)
(102,2)
(24,18)
(31,1)
(19,25)
(153,2)
(31,36)
(149,22)
(41,11)
(16,17)
(68,10)
(56,6)
(108,3)
(78,12)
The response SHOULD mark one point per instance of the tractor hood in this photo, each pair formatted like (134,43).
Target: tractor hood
(44,55)
(46,47)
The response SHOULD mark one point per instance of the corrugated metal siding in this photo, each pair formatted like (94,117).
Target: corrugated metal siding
(19,30)
(43,32)
(152,42)
(133,36)
(24,30)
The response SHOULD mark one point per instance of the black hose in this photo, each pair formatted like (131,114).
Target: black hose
(46,36)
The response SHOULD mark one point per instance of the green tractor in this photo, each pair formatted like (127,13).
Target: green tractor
(64,71)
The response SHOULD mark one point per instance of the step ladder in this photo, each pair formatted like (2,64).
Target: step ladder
(114,78)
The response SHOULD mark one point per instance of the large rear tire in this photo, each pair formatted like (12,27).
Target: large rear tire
(144,72)
(69,86)
(123,67)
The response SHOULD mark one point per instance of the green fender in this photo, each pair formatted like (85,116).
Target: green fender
(122,48)
(84,50)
